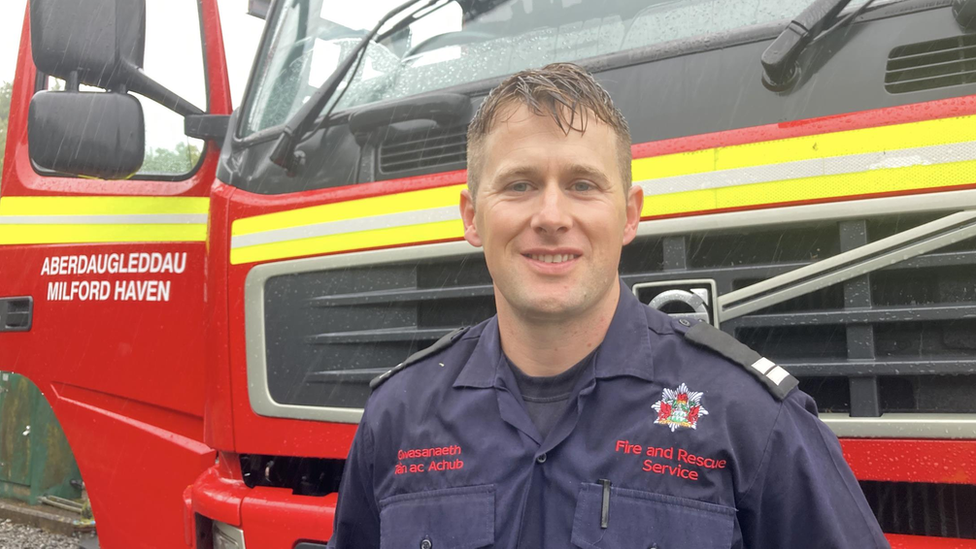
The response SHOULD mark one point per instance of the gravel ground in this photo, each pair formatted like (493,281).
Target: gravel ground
(18,536)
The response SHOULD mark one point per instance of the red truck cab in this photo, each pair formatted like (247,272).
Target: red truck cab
(204,319)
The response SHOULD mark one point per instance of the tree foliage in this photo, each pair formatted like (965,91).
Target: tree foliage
(6,89)
(178,160)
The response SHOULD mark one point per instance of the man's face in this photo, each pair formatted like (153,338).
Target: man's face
(552,215)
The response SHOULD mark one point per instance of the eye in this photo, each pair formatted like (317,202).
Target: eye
(583,186)
(519,186)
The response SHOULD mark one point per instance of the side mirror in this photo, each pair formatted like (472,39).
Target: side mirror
(86,133)
(103,41)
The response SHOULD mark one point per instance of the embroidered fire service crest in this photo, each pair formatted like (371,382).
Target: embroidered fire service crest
(679,408)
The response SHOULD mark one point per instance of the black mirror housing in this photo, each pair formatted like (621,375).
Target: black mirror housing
(91,134)
(103,40)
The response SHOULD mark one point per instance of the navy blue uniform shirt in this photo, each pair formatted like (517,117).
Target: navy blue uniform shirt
(664,444)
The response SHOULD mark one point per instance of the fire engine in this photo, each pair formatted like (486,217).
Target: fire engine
(205,322)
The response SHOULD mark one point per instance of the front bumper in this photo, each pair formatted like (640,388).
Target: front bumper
(270,518)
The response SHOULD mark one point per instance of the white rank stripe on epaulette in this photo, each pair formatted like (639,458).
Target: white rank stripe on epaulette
(777,380)
(770,369)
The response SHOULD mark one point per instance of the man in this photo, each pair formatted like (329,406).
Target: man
(578,416)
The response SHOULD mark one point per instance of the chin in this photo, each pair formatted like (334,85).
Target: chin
(552,307)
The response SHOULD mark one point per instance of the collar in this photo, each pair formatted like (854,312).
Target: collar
(625,350)
(481,369)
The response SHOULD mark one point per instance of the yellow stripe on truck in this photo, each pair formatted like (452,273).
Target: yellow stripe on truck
(764,153)
(102,205)
(83,234)
(352,209)
(811,189)
(102,219)
(377,238)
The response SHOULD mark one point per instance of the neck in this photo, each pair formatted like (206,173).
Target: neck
(547,347)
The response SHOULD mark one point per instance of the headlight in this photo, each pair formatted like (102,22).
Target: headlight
(226,536)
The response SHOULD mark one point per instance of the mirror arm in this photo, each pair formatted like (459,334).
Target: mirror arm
(142,84)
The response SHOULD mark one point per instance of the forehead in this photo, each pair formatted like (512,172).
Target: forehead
(519,136)
(517,117)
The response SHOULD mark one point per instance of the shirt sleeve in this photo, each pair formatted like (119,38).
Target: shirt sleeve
(804,494)
(357,519)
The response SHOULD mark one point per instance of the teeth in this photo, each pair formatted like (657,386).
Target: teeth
(557,258)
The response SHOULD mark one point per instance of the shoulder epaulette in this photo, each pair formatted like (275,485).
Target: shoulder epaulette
(439,345)
(775,378)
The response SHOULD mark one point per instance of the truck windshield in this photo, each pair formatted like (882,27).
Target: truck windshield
(465,41)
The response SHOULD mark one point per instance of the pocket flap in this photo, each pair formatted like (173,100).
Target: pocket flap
(452,518)
(646,519)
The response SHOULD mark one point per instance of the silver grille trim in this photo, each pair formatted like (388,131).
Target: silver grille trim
(954,426)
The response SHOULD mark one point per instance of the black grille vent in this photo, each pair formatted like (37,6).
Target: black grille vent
(923,509)
(424,149)
(303,476)
(933,64)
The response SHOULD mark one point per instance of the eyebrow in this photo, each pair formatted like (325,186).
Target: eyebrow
(586,171)
(575,169)
(516,172)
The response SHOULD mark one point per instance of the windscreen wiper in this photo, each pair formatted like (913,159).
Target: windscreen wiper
(296,128)
(781,68)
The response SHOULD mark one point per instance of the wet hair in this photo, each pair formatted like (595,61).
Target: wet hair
(563,91)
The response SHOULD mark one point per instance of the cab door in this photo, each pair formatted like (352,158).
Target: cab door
(102,279)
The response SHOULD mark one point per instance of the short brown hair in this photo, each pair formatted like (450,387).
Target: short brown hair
(563,91)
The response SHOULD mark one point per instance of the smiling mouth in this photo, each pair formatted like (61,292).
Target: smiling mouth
(552,258)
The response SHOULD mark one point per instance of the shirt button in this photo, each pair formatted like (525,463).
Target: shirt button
(425,544)
(541,458)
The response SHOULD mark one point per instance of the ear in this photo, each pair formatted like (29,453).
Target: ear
(635,204)
(467,217)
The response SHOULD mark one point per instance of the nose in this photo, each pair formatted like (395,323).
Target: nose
(553,215)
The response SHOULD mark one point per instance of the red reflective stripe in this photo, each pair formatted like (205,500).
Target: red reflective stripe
(912,460)
(903,114)
(925,542)
(249,204)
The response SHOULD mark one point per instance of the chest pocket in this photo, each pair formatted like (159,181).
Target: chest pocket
(452,518)
(644,520)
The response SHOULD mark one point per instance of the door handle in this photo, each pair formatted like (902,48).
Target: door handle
(16,314)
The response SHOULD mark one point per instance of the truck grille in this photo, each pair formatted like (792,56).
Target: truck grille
(901,339)
(923,509)
(932,64)
(329,332)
